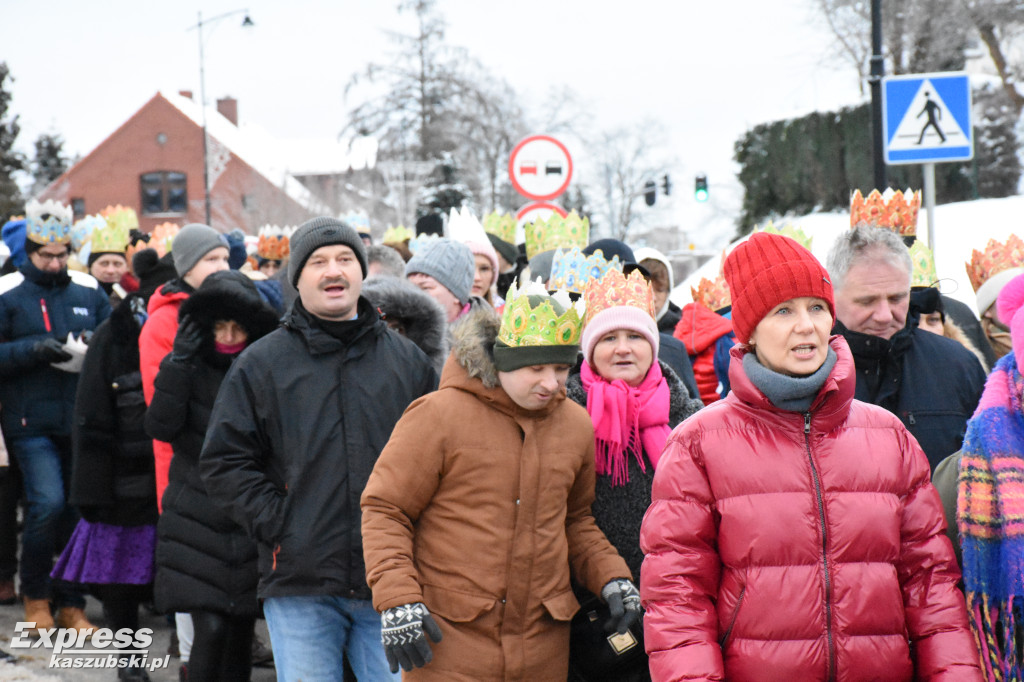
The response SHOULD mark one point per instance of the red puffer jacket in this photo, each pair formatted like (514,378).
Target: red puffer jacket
(788,546)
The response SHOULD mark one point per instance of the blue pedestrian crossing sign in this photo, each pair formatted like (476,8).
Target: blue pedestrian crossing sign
(927,118)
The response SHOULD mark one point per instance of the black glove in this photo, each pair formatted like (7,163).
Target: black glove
(50,350)
(403,631)
(623,601)
(187,341)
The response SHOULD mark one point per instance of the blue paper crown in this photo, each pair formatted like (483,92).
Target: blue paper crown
(48,223)
(573,270)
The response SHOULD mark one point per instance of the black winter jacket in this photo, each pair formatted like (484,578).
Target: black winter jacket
(299,423)
(205,561)
(37,399)
(112,479)
(930,382)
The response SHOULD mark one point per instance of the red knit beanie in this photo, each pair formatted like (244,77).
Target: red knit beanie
(766,270)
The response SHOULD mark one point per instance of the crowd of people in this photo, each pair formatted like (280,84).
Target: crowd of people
(481,451)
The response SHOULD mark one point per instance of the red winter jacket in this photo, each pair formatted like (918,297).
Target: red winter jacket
(699,328)
(156,341)
(785,546)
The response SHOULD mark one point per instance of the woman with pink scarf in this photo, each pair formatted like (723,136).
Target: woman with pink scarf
(634,403)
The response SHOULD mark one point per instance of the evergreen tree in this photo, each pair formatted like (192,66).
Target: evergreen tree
(11,201)
(444,190)
(50,161)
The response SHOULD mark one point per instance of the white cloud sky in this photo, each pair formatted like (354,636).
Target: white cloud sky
(708,70)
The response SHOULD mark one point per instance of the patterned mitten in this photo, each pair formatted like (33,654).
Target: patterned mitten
(403,631)
(623,601)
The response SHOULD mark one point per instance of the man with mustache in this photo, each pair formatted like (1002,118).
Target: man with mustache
(299,423)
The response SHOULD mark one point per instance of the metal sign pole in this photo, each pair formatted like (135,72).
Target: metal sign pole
(928,171)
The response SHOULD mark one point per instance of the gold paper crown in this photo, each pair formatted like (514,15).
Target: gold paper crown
(273,242)
(712,294)
(112,237)
(573,270)
(616,290)
(523,324)
(556,232)
(994,259)
(787,230)
(502,226)
(925,274)
(121,216)
(397,235)
(897,211)
(48,223)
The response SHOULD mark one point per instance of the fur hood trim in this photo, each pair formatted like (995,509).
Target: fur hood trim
(473,336)
(422,318)
(953,331)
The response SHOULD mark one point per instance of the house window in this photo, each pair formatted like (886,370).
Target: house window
(78,207)
(163,192)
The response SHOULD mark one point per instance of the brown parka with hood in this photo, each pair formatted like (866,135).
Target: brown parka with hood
(478,508)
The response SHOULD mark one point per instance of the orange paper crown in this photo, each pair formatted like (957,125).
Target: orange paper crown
(712,294)
(615,290)
(991,269)
(273,242)
(898,212)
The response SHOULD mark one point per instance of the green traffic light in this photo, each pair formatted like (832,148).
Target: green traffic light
(701,194)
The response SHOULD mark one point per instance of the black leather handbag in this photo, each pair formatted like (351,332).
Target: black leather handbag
(599,655)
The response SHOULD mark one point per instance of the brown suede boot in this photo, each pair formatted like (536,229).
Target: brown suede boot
(38,611)
(74,618)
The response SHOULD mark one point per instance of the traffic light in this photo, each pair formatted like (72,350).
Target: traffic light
(666,185)
(700,190)
(650,192)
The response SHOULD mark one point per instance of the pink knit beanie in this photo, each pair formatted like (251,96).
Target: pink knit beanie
(1010,306)
(619,317)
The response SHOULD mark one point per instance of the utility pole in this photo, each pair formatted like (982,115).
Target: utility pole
(877,72)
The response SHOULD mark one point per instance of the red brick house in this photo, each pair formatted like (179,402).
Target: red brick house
(154,163)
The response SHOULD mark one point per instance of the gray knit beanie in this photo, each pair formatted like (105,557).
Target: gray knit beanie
(192,242)
(450,263)
(318,232)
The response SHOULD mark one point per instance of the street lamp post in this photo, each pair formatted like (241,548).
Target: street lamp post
(246,22)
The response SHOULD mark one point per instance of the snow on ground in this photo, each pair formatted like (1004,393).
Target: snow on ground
(959,229)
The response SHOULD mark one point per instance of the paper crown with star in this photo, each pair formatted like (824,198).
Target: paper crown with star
(501,225)
(787,230)
(530,319)
(573,270)
(48,222)
(895,210)
(615,290)
(397,235)
(272,242)
(924,273)
(556,232)
(989,270)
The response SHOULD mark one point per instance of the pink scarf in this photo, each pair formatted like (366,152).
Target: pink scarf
(625,418)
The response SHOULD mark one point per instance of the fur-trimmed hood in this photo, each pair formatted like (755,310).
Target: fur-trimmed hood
(472,338)
(421,318)
(229,295)
(952,330)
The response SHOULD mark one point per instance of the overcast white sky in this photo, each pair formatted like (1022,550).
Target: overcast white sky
(708,70)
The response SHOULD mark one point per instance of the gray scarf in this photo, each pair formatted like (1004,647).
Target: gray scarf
(794,394)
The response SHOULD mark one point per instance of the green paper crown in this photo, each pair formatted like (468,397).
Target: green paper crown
(787,230)
(502,226)
(531,318)
(925,274)
(557,232)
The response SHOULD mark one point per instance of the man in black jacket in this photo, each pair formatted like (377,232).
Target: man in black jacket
(299,423)
(930,382)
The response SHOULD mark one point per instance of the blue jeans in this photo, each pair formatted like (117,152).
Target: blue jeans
(309,634)
(45,465)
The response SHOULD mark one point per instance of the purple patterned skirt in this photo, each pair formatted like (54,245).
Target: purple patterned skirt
(102,554)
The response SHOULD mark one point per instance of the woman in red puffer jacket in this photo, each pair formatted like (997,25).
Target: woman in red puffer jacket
(793,532)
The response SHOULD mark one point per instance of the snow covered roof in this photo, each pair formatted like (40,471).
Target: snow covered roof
(277,160)
(960,228)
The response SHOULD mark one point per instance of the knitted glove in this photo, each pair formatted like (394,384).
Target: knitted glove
(50,350)
(187,341)
(403,631)
(623,601)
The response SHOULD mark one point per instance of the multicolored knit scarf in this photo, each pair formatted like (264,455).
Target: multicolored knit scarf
(990,518)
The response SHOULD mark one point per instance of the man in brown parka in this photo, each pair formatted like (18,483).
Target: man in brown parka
(480,504)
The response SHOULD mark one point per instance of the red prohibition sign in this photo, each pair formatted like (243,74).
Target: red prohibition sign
(539,170)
